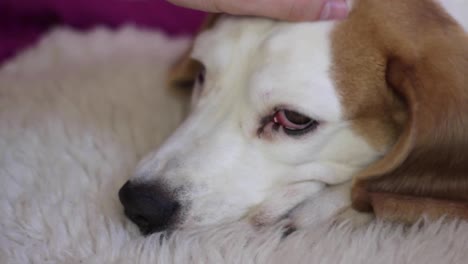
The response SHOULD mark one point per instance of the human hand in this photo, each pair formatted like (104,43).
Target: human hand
(292,10)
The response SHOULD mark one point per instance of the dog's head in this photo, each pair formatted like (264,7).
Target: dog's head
(279,111)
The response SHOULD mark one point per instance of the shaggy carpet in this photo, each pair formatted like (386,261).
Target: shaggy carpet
(79,110)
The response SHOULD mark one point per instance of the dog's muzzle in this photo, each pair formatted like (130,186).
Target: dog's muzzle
(149,206)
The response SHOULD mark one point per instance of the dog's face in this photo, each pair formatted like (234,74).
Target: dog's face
(281,111)
(266,128)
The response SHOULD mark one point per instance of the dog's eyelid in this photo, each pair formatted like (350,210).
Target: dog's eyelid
(280,121)
(292,119)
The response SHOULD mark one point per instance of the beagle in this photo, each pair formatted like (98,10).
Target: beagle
(370,112)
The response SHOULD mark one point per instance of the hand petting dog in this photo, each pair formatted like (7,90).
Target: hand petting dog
(291,10)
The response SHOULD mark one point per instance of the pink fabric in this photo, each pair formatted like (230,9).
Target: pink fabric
(22,22)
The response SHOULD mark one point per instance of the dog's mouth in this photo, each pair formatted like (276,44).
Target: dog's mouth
(144,225)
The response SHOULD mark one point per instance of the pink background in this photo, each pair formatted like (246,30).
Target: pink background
(22,22)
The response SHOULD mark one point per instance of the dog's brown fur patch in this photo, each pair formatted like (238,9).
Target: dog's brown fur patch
(402,70)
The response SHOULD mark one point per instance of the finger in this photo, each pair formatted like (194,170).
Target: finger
(292,10)
(203,5)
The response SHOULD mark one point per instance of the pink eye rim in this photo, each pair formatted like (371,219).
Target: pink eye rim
(301,125)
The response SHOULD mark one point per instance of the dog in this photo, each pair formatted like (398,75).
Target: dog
(361,113)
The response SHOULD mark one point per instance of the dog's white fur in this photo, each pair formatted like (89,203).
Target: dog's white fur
(227,169)
(78,110)
(224,167)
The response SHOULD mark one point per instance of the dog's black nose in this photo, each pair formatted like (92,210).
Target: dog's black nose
(150,207)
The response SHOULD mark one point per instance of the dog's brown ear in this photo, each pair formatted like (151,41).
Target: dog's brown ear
(184,71)
(429,161)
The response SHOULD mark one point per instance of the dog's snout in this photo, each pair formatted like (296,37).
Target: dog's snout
(149,206)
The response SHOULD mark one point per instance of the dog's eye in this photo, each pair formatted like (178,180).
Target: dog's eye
(294,123)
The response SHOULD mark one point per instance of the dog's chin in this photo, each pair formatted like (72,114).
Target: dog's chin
(165,232)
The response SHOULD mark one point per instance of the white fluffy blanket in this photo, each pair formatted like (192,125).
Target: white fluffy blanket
(79,110)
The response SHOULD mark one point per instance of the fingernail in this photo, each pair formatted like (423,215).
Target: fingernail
(334,9)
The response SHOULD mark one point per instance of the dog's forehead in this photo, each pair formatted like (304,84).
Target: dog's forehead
(227,38)
(284,63)
(293,67)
